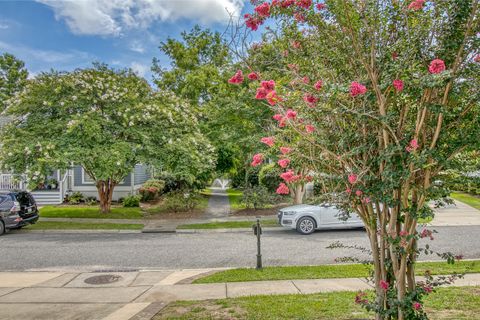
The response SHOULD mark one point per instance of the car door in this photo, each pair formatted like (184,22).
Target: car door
(328,216)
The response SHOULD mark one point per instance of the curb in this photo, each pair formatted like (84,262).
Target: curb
(231,230)
(79,231)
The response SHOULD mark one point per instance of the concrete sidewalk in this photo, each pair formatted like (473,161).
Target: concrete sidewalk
(141,294)
(459,214)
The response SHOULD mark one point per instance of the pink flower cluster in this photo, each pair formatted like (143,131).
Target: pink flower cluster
(309,128)
(352,178)
(412,146)
(436,66)
(310,99)
(477,58)
(269,141)
(285,150)
(426,233)
(282,189)
(252,22)
(384,285)
(290,176)
(265,88)
(417,305)
(398,85)
(252,76)
(360,298)
(416,5)
(357,89)
(321,6)
(318,85)
(263,10)
(284,162)
(257,160)
(237,78)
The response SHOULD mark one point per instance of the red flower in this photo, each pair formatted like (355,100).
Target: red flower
(252,22)
(277,117)
(268,85)
(261,94)
(306,4)
(357,88)
(403,233)
(282,189)
(416,5)
(257,159)
(291,114)
(306,80)
(428,289)
(348,190)
(252,76)
(309,128)
(358,193)
(477,58)
(384,285)
(318,85)
(299,17)
(269,141)
(436,66)
(263,10)
(286,3)
(296,44)
(394,55)
(321,6)
(352,178)
(310,100)
(413,145)
(284,162)
(237,78)
(417,306)
(285,150)
(273,98)
(398,85)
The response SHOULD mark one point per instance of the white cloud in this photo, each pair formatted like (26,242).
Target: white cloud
(112,17)
(137,46)
(139,69)
(3,26)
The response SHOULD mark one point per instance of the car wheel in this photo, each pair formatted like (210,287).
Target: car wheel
(306,225)
(2,227)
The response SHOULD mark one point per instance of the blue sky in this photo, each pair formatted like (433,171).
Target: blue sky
(65,35)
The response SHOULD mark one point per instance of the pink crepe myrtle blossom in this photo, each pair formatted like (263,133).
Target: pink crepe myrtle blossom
(426,233)
(252,76)
(436,66)
(427,289)
(384,285)
(282,189)
(416,5)
(261,94)
(299,17)
(318,85)
(252,22)
(308,178)
(269,141)
(366,200)
(348,191)
(284,162)
(309,128)
(293,67)
(321,6)
(286,3)
(273,98)
(310,99)
(282,123)
(268,85)
(412,146)
(306,4)
(296,44)
(237,78)
(290,176)
(398,85)
(417,305)
(285,150)
(291,114)
(394,55)
(263,10)
(352,178)
(358,193)
(257,159)
(277,117)
(306,80)
(477,58)
(357,89)
(403,233)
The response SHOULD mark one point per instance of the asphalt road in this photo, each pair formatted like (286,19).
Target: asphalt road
(55,251)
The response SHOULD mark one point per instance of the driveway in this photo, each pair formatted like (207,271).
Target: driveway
(459,214)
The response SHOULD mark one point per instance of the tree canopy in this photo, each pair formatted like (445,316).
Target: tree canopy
(13,76)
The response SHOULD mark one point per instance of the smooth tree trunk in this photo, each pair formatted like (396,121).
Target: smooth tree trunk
(298,193)
(105,193)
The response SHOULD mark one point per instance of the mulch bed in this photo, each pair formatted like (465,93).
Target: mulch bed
(260,212)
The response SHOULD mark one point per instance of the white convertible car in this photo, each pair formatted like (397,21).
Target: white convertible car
(307,218)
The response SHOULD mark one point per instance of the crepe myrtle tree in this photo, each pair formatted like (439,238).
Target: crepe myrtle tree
(385,95)
(102,119)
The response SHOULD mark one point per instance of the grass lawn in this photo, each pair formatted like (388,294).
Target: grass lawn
(235,198)
(330,271)
(229,224)
(89,212)
(53,225)
(461,303)
(466,198)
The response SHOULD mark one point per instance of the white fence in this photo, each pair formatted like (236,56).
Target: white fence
(11,182)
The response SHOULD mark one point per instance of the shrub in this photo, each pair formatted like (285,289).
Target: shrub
(256,197)
(91,201)
(151,189)
(75,198)
(269,176)
(170,182)
(180,201)
(131,201)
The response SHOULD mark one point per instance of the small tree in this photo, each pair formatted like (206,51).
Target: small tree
(13,77)
(102,119)
(393,96)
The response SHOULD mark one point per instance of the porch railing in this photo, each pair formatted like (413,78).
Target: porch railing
(12,182)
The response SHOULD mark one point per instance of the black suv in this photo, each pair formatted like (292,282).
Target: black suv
(17,209)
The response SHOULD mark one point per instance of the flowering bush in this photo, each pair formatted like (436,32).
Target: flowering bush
(151,189)
(385,120)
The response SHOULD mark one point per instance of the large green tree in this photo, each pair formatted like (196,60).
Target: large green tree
(104,120)
(399,99)
(13,76)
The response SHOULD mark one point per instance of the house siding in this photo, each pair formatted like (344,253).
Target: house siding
(77,179)
(141,174)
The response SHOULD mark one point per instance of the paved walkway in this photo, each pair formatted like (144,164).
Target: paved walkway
(218,204)
(141,294)
(459,214)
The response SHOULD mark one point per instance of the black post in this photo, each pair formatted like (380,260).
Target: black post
(259,252)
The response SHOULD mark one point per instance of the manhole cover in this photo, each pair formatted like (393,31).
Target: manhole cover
(103,279)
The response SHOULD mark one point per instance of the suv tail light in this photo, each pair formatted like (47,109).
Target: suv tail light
(16,207)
